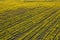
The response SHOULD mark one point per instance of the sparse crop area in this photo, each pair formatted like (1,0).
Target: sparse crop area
(29,20)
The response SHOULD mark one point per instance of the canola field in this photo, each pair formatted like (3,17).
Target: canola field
(29,20)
